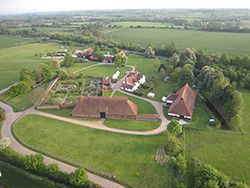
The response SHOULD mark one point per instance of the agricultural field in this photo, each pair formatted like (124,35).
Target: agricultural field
(225,150)
(13,59)
(143,24)
(8,41)
(129,158)
(231,43)
(13,177)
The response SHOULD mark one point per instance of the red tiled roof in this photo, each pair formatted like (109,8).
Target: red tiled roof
(184,102)
(106,81)
(111,105)
(133,77)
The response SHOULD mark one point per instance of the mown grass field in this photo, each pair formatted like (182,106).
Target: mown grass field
(225,150)
(104,71)
(132,125)
(232,43)
(143,106)
(10,40)
(129,158)
(13,177)
(13,59)
(143,24)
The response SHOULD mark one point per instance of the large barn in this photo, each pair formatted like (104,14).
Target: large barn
(182,103)
(105,107)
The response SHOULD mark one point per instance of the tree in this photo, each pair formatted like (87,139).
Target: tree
(34,162)
(21,88)
(225,59)
(188,56)
(233,101)
(27,74)
(173,146)
(208,177)
(63,74)
(68,60)
(180,164)
(120,60)
(174,60)
(45,72)
(175,128)
(149,52)
(163,73)
(186,75)
(78,178)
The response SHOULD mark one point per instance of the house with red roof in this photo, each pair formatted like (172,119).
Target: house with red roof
(132,81)
(182,103)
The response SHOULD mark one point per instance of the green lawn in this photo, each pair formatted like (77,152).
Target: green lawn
(224,150)
(232,43)
(104,71)
(143,106)
(13,177)
(130,158)
(132,125)
(143,24)
(13,59)
(23,101)
(10,40)
(79,66)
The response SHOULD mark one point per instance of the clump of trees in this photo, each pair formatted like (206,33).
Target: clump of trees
(149,52)
(29,77)
(175,128)
(120,60)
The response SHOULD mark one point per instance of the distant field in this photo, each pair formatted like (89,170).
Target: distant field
(9,40)
(129,158)
(13,177)
(13,59)
(143,24)
(226,151)
(232,43)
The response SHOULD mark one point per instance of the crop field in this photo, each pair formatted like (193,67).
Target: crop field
(225,150)
(8,40)
(129,158)
(13,59)
(232,43)
(143,24)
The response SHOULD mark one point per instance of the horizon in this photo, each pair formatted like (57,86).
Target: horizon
(42,6)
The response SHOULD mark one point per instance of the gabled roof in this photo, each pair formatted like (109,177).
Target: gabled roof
(110,105)
(184,102)
(133,77)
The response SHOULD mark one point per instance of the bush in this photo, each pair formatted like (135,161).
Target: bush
(175,128)
(34,162)
(2,114)
(78,178)
(173,146)
(209,177)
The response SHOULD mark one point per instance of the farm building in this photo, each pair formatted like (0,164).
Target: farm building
(84,53)
(132,81)
(105,107)
(106,83)
(182,102)
(109,59)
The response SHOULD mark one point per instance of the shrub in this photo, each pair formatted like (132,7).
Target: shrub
(33,162)
(2,114)
(175,128)
(78,178)
(173,146)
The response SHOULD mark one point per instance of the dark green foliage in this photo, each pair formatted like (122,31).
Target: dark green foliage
(21,88)
(78,178)
(173,146)
(27,74)
(120,60)
(34,162)
(175,128)
(68,61)
(2,114)
(208,177)
(186,74)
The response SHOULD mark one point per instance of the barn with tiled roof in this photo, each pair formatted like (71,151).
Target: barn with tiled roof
(183,103)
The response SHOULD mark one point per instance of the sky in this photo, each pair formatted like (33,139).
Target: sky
(24,6)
